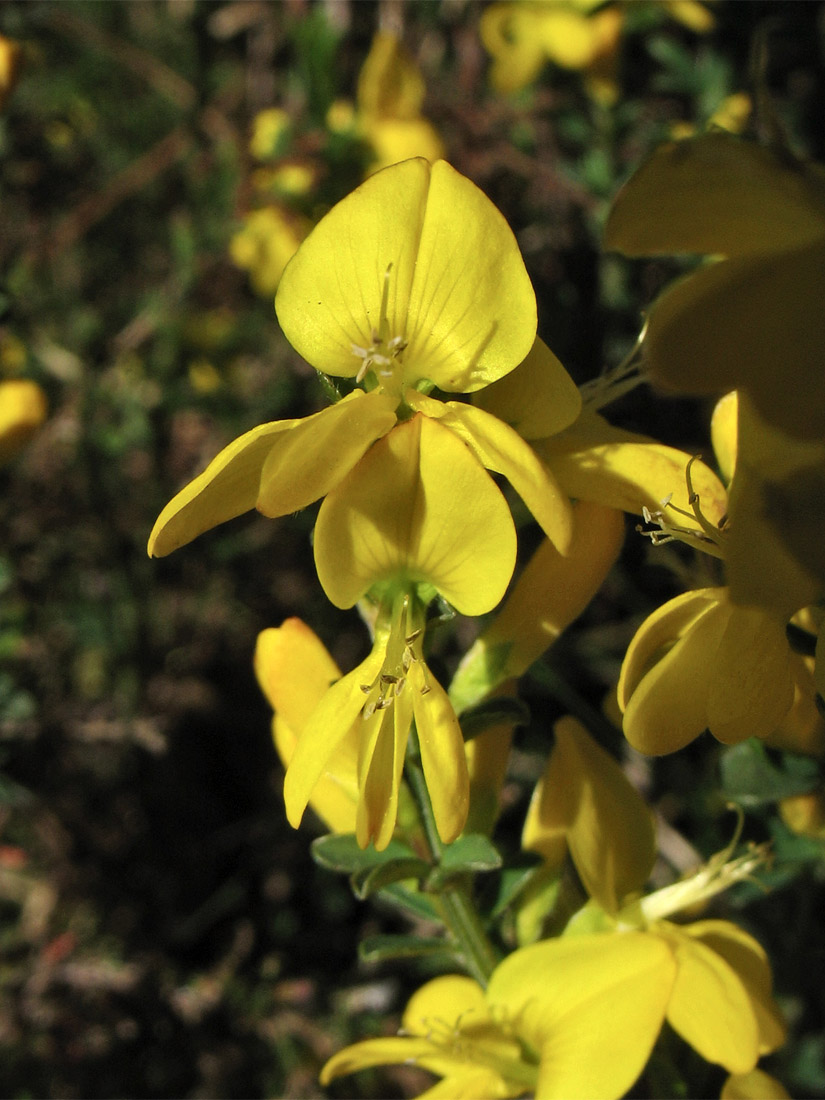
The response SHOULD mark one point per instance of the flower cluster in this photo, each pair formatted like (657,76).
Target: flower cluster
(412,294)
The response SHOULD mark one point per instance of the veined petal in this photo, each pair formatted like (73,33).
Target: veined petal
(418,505)
(442,753)
(716,194)
(669,707)
(472,312)
(592,1004)
(312,458)
(747,958)
(748,323)
(502,450)
(710,1007)
(660,630)
(595,461)
(327,727)
(237,480)
(609,827)
(751,689)
(330,295)
(537,399)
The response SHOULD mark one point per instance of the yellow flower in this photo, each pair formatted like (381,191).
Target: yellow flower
(412,281)
(390,95)
(397,528)
(702,662)
(749,321)
(23,409)
(562,1020)
(264,246)
(269,131)
(716,988)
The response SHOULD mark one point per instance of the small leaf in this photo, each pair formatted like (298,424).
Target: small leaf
(470,854)
(380,948)
(751,777)
(512,881)
(411,902)
(341,853)
(370,879)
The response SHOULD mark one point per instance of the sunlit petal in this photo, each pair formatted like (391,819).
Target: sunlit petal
(756,1085)
(294,669)
(442,753)
(418,504)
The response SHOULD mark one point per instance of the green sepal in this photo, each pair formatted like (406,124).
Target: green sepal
(512,881)
(410,901)
(753,777)
(381,948)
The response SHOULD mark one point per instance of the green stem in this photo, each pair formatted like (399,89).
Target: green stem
(454,899)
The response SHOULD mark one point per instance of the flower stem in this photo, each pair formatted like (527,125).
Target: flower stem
(453,897)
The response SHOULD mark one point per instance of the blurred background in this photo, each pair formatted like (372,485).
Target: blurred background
(163,932)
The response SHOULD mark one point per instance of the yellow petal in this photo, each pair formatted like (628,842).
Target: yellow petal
(23,409)
(328,725)
(442,752)
(756,1085)
(390,84)
(569,39)
(710,1007)
(551,592)
(383,742)
(719,195)
(748,959)
(472,312)
(592,1004)
(669,707)
(609,827)
(660,630)
(393,140)
(419,506)
(748,323)
(751,689)
(388,1051)
(537,399)
(503,451)
(250,472)
(595,461)
(451,1000)
(294,669)
(457,291)
(724,432)
(508,32)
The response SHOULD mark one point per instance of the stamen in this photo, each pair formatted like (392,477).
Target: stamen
(710,539)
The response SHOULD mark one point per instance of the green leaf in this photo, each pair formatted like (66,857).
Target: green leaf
(752,777)
(370,879)
(512,881)
(341,853)
(411,902)
(380,948)
(470,854)
(491,712)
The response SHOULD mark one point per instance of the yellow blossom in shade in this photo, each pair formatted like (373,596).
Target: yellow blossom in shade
(295,671)
(264,246)
(702,662)
(750,320)
(755,1085)
(561,1020)
(23,409)
(412,281)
